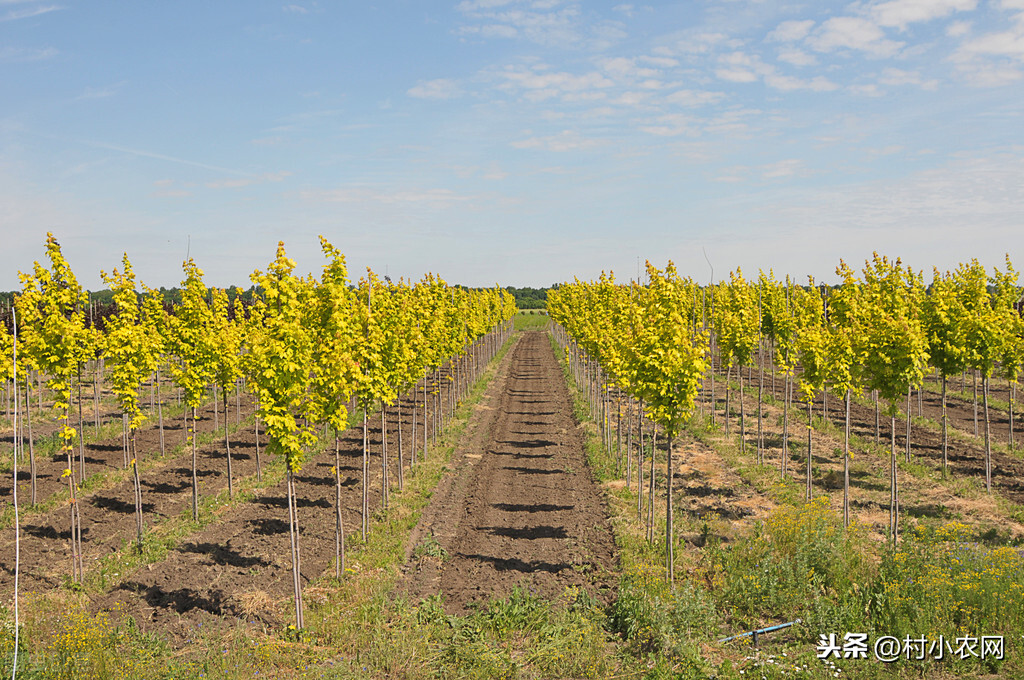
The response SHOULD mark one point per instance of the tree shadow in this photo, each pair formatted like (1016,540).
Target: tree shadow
(118,505)
(166,487)
(269,527)
(513,564)
(181,600)
(532,471)
(532,507)
(282,502)
(223,555)
(529,533)
(48,531)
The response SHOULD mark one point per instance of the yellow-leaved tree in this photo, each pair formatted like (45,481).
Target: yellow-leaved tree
(281,355)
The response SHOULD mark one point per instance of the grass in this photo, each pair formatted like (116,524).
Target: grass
(799,562)
(344,618)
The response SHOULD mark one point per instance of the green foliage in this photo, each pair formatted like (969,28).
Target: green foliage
(52,332)
(191,338)
(944,319)
(736,321)
(133,343)
(895,345)
(281,352)
(796,556)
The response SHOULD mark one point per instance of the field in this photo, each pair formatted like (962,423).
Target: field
(517,549)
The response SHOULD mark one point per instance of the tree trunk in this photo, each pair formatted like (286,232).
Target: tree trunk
(893,488)
(401,455)
(650,501)
(785,427)
(846,464)
(945,432)
(640,462)
(760,402)
(365,510)
(908,423)
(195,475)
(629,441)
(293,526)
(27,419)
(809,431)
(975,402)
(988,440)
(385,478)
(227,441)
(138,491)
(160,412)
(96,396)
(1011,388)
(743,413)
(669,543)
(339,527)
(426,439)
(81,433)
(727,391)
(878,424)
(256,418)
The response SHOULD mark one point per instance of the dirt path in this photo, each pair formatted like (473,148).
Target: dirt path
(521,507)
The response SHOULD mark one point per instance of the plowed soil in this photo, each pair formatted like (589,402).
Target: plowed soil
(108,514)
(521,507)
(966,453)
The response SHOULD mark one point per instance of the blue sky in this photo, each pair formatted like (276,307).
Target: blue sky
(521,142)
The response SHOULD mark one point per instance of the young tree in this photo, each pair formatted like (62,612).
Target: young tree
(335,371)
(669,364)
(192,341)
(133,349)
(226,335)
(895,347)
(738,333)
(812,344)
(52,308)
(282,355)
(1006,306)
(845,357)
(944,316)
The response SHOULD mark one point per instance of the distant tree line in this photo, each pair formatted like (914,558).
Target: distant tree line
(530,298)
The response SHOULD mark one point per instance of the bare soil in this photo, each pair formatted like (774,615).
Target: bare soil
(521,507)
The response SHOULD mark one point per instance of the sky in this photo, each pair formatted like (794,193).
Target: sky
(517,142)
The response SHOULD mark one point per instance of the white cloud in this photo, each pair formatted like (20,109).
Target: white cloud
(295,9)
(239,182)
(663,62)
(693,98)
(441,88)
(853,33)
(567,140)
(541,21)
(992,59)
(791,31)
(957,29)
(868,90)
(29,12)
(540,84)
(897,77)
(900,13)
(797,57)
(671,125)
(739,67)
(784,168)
(625,9)
(625,68)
